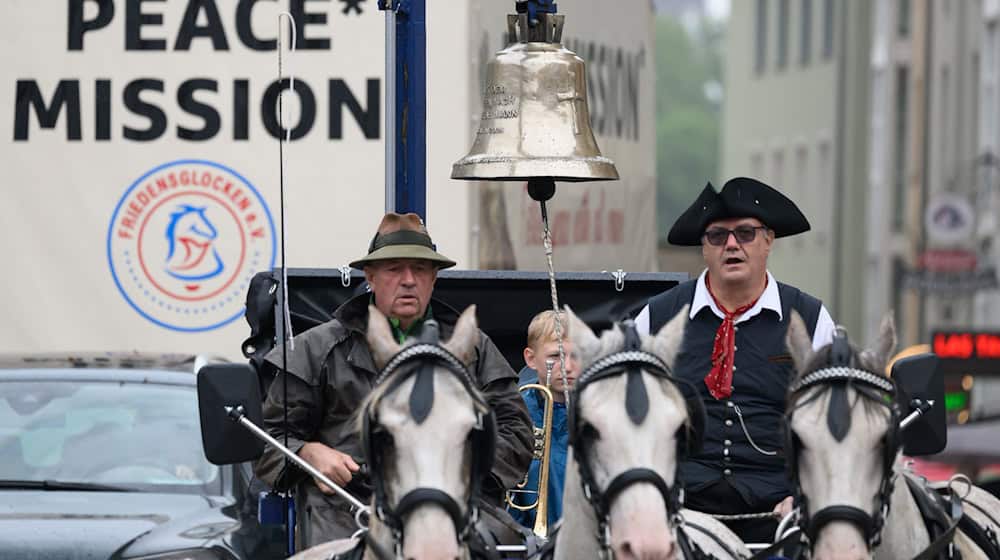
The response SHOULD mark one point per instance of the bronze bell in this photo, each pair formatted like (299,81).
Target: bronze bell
(535,122)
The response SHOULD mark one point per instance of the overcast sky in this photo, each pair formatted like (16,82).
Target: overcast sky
(718,8)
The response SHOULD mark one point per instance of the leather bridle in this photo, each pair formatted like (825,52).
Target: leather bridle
(877,389)
(631,362)
(421,360)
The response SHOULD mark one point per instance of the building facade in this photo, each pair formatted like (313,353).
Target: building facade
(795,115)
(986,307)
(927,174)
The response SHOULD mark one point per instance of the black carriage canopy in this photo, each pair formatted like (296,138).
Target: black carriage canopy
(506,300)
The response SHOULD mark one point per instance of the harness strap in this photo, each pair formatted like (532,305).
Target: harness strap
(634,476)
(984,539)
(691,551)
(358,551)
(793,537)
(942,515)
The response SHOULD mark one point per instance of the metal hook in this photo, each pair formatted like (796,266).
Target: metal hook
(619,276)
(345,276)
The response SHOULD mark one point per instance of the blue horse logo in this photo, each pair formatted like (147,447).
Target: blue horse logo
(191,252)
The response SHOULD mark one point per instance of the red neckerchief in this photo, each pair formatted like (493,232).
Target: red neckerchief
(720,379)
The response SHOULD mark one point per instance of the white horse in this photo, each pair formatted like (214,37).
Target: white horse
(423,462)
(840,460)
(627,418)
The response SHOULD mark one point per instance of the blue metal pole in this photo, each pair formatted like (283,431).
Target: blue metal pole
(411,105)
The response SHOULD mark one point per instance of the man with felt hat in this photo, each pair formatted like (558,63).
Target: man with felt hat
(734,352)
(331,370)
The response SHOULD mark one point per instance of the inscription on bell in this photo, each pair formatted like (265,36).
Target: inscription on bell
(498,104)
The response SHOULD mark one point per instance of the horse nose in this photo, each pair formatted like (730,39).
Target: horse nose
(646,549)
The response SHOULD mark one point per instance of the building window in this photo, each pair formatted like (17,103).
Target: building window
(760,37)
(805,37)
(777,178)
(989,100)
(898,287)
(782,33)
(828,25)
(757,166)
(903,18)
(899,171)
(802,180)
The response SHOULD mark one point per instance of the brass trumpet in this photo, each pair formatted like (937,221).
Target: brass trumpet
(543,448)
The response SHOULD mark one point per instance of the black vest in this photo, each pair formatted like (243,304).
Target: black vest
(763,370)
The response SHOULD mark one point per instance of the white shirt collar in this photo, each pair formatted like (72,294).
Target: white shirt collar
(770,299)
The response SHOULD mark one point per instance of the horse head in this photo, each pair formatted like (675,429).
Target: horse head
(842,440)
(629,424)
(191,253)
(428,437)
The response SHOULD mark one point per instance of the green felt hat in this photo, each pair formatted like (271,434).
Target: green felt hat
(402,236)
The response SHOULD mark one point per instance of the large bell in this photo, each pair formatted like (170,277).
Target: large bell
(535,122)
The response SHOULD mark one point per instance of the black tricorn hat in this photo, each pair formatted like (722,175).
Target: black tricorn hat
(741,197)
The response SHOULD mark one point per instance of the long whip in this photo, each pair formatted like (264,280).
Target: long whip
(286,316)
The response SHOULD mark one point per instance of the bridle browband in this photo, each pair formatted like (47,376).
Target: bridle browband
(872,387)
(427,354)
(631,361)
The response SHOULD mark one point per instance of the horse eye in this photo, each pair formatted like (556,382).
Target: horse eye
(589,432)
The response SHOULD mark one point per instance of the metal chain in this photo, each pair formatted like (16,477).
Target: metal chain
(739,414)
(547,242)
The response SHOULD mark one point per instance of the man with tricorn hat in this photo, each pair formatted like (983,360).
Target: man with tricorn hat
(734,352)
(331,371)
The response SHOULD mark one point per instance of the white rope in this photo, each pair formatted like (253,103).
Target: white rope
(285,311)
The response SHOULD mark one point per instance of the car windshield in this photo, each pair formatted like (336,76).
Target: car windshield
(141,436)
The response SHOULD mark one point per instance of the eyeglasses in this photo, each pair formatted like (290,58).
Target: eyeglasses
(744,234)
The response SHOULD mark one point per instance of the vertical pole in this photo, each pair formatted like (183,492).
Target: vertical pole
(390,109)
(406,84)
(411,109)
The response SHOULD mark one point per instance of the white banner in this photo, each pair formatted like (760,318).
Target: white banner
(142,172)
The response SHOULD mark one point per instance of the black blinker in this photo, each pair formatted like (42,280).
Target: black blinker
(422,395)
(838,416)
(636,399)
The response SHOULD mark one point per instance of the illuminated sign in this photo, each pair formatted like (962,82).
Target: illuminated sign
(964,345)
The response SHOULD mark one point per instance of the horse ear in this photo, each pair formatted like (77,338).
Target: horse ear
(584,340)
(465,337)
(798,341)
(379,337)
(667,342)
(877,355)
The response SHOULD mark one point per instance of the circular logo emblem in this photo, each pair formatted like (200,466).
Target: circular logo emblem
(949,218)
(184,242)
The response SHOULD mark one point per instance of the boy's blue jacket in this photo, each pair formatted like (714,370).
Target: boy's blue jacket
(557,457)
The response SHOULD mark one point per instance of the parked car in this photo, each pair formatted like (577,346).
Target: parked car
(108,463)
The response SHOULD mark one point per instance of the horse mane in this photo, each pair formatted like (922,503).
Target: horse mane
(820,359)
(381,390)
(613,341)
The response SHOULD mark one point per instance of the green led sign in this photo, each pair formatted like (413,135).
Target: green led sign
(956,401)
